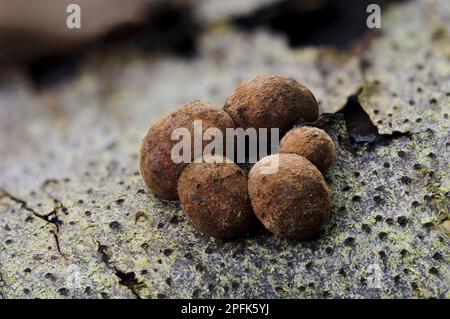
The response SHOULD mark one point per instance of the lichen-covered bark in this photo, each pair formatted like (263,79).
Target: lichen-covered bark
(76,219)
(407,73)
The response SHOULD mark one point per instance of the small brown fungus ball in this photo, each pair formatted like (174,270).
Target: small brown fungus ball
(159,170)
(266,101)
(214,196)
(310,142)
(292,198)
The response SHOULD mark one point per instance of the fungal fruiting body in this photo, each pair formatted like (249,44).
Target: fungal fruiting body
(214,196)
(286,192)
(293,201)
(159,170)
(266,101)
(310,142)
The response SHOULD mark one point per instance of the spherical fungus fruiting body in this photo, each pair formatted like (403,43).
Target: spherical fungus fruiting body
(310,142)
(215,198)
(271,102)
(293,201)
(159,170)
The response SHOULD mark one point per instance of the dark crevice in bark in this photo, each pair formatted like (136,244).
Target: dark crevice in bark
(2,283)
(360,128)
(58,246)
(51,217)
(126,279)
(23,204)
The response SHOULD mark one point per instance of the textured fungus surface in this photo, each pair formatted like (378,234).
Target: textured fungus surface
(157,166)
(310,142)
(214,196)
(266,101)
(292,201)
(76,219)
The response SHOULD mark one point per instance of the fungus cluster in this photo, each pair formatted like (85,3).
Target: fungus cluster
(218,197)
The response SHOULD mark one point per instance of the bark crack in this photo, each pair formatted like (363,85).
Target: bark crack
(360,128)
(126,279)
(51,217)
(2,284)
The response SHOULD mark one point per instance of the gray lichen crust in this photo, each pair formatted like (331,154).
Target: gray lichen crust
(406,79)
(76,219)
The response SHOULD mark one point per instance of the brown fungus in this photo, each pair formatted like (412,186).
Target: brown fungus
(160,172)
(266,101)
(310,142)
(214,196)
(291,199)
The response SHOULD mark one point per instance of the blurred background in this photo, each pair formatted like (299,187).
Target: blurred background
(35,33)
